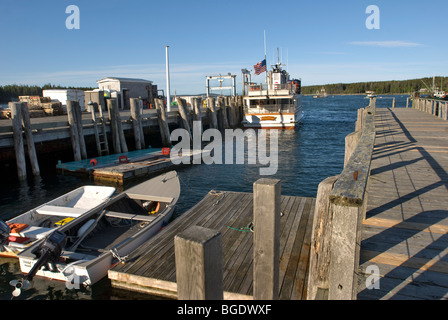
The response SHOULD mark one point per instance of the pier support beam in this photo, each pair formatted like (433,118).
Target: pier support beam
(267,197)
(137,124)
(163,124)
(16,116)
(212,113)
(199,266)
(71,114)
(29,140)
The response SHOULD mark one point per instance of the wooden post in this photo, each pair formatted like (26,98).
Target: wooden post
(197,112)
(78,119)
(124,147)
(213,117)
(199,266)
(351,142)
(95,126)
(163,124)
(393,103)
(223,107)
(16,117)
(112,107)
(267,197)
(29,140)
(183,114)
(318,276)
(71,114)
(136,123)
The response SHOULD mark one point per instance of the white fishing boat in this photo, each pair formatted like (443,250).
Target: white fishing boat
(274,105)
(82,251)
(322,94)
(21,231)
(370,94)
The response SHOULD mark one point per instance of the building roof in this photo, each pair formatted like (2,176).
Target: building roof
(123,80)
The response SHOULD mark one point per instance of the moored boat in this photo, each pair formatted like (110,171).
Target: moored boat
(275,105)
(83,250)
(35,224)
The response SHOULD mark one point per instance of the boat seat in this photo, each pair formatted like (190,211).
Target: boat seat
(61,211)
(130,216)
(34,232)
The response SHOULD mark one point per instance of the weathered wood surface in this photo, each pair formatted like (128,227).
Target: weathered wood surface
(405,231)
(151,268)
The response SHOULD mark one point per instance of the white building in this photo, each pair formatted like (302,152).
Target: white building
(62,95)
(126,88)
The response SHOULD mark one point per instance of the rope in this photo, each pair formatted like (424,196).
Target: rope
(249,228)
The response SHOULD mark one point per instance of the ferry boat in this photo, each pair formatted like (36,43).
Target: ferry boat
(274,105)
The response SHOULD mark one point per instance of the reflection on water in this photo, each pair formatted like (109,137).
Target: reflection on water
(306,156)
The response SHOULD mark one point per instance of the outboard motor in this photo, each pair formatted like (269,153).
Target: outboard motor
(50,250)
(4,232)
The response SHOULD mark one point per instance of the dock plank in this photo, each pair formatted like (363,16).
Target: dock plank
(406,226)
(151,268)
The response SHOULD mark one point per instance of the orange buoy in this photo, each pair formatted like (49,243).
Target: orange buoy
(93,162)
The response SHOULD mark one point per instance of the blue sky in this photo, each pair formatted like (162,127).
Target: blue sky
(320,41)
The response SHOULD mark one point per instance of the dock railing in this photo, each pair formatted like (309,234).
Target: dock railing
(438,108)
(339,213)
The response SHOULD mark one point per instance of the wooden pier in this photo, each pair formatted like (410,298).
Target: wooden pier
(151,268)
(405,231)
(88,134)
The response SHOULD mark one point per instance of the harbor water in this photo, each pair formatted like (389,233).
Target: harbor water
(306,156)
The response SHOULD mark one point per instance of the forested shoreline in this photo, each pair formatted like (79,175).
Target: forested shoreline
(380,87)
(12,92)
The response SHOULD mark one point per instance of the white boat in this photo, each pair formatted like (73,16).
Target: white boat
(276,105)
(370,94)
(82,251)
(321,94)
(36,224)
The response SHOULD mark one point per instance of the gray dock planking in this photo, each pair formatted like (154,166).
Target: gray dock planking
(405,231)
(151,268)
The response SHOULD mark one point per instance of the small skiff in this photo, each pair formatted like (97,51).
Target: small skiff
(82,251)
(20,232)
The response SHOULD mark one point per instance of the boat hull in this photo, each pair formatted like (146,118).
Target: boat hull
(88,263)
(88,272)
(81,200)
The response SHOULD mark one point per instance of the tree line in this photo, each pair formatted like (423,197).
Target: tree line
(12,92)
(380,87)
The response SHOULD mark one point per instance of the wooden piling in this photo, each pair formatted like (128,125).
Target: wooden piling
(212,112)
(320,255)
(199,265)
(29,140)
(267,196)
(137,123)
(197,114)
(182,106)
(16,117)
(71,114)
(223,106)
(95,127)
(78,119)
(118,139)
(163,124)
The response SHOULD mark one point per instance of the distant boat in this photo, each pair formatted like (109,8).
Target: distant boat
(84,249)
(370,94)
(35,224)
(321,94)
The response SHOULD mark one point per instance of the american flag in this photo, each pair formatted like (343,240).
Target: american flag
(260,67)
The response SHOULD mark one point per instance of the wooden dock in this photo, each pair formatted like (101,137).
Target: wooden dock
(151,268)
(405,231)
